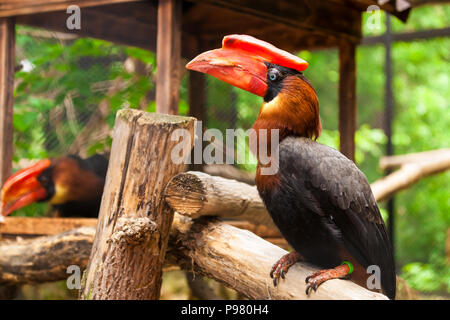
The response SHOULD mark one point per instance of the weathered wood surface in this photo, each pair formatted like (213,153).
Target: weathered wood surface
(229,172)
(7,46)
(196,194)
(241,260)
(34,227)
(27,226)
(134,220)
(235,257)
(168,56)
(415,167)
(44,259)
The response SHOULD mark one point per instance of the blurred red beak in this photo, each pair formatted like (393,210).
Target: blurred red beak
(242,60)
(23,188)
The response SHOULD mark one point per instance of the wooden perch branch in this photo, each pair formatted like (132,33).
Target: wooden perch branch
(235,257)
(241,260)
(229,172)
(196,194)
(413,167)
(45,259)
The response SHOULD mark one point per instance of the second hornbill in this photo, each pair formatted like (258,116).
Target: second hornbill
(319,199)
(73,186)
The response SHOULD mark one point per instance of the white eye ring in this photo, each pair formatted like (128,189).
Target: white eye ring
(273,76)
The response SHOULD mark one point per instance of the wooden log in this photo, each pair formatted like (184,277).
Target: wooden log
(258,229)
(409,174)
(229,172)
(241,260)
(45,259)
(168,56)
(7,47)
(196,194)
(134,221)
(234,257)
(27,226)
(347,98)
(73,248)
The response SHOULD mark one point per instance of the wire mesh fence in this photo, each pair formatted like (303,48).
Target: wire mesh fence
(68,89)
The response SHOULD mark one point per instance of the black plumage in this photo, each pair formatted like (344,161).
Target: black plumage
(322,203)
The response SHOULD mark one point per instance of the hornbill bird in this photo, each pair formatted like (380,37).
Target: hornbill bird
(73,186)
(321,202)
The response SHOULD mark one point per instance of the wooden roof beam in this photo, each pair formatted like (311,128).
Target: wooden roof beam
(323,17)
(10,8)
(100,23)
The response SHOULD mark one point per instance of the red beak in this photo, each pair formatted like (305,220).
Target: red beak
(23,188)
(242,60)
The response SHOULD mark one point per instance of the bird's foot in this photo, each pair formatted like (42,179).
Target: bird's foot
(316,279)
(281,267)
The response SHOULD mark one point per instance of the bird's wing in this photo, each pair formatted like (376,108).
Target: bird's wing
(96,163)
(339,189)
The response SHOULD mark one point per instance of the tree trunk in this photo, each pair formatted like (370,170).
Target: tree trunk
(134,220)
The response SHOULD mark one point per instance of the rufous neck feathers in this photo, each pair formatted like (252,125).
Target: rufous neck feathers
(294,111)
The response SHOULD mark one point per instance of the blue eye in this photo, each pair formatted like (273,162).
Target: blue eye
(274,75)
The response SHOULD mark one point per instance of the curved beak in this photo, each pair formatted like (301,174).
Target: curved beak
(23,188)
(242,62)
(235,67)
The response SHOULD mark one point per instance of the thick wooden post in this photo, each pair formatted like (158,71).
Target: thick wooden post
(7,46)
(347,98)
(168,56)
(133,226)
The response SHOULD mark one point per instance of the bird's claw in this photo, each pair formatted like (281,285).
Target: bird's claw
(281,267)
(312,282)
(312,286)
(316,279)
